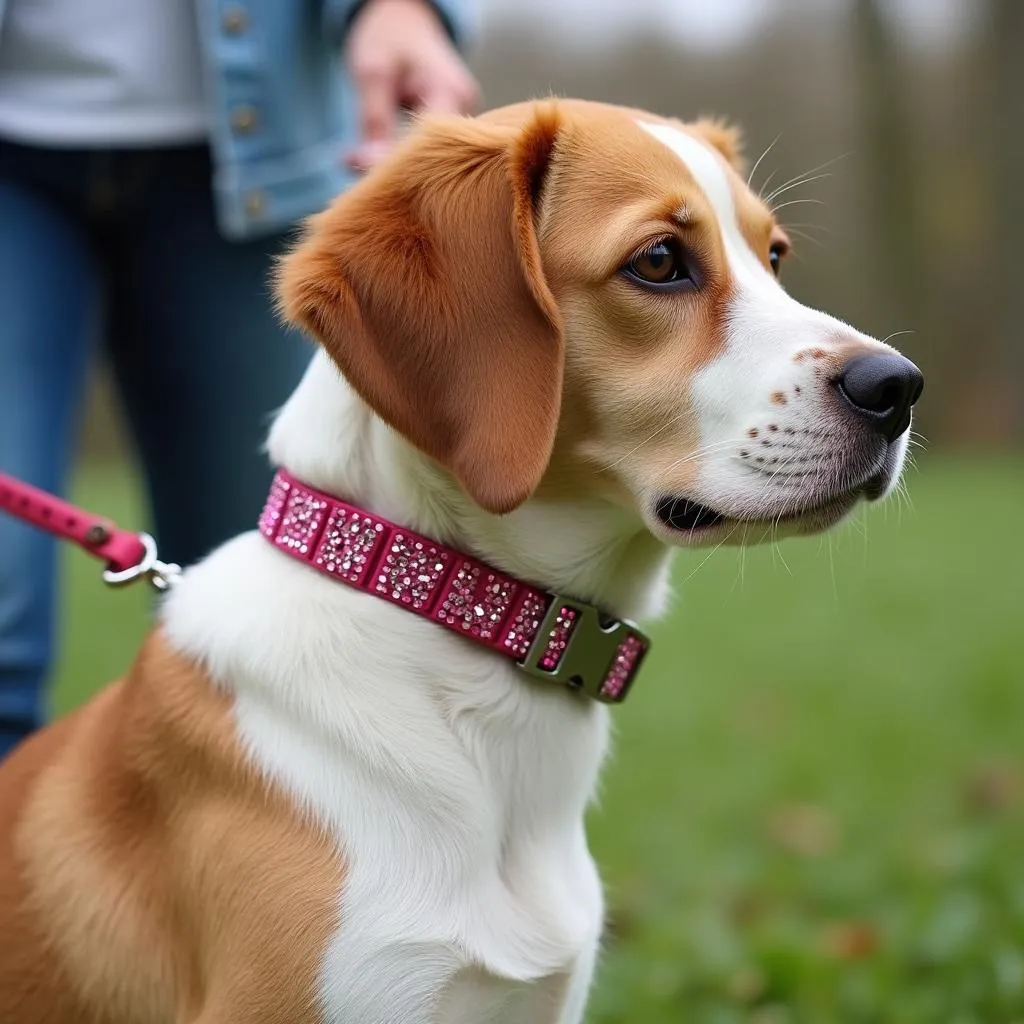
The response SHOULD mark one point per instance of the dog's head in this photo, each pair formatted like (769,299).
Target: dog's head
(567,298)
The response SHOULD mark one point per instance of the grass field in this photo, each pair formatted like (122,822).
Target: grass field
(815,812)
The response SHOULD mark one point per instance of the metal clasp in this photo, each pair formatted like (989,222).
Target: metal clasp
(592,648)
(161,575)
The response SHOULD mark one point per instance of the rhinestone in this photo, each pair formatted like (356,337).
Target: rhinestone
(624,667)
(271,517)
(348,540)
(565,623)
(524,626)
(301,519)
(476,602)
(413,571)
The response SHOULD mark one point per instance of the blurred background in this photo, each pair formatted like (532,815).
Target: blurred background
(814,811)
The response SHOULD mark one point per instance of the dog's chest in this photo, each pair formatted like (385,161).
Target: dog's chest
(494,955)
(470,894)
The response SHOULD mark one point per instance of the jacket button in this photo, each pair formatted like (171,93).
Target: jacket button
(244,118)
(234,20)
(255,204)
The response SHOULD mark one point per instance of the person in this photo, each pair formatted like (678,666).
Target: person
(153,156)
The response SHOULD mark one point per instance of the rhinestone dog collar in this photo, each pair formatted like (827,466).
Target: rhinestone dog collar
(549,636)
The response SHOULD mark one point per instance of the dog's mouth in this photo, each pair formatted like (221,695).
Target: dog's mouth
(798,509)
(685,515)
(694,519)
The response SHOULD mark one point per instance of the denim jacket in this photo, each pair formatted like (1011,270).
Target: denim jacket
(282,108)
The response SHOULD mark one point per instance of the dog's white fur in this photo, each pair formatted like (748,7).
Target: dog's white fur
(455,789)
(767,329)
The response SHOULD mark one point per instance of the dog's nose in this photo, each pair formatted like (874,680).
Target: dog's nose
(883,388)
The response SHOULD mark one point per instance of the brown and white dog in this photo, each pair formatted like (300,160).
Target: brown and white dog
(552,337)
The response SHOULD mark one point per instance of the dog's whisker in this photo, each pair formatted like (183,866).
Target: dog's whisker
(806,237)
(832,570)
(689,457)
(757,162)
(705,560)
(651,437)
(767,182)
(807,224)
(897,334)
(795,202)
(783,189)
(813,170)
(699,453)
(775,545)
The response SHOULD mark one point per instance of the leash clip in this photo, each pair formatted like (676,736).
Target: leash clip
(161,575)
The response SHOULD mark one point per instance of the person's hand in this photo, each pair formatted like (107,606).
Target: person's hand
(401,58)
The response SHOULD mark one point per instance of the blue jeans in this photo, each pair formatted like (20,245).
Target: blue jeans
(120,248)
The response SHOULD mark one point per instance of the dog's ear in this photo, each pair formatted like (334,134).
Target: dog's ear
(424,284)
(726,138)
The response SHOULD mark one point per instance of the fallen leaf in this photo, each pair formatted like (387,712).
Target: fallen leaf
(804,829)
(850,940)
(747,985)
(993,788)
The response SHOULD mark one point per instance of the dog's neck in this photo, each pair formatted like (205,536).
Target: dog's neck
(589,549)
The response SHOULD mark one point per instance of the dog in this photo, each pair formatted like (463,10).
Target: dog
(553,349)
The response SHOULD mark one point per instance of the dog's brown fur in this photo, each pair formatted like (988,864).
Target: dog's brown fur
(147,874)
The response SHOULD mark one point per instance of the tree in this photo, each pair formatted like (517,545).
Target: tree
(1007,125)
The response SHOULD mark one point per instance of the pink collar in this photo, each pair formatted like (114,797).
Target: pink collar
(548,636)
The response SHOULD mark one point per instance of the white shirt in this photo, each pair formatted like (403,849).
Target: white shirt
(101,72)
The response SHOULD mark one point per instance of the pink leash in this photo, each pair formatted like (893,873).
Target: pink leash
(129,556)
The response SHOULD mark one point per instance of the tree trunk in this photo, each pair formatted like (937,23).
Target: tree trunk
(1007,48)
(897,259)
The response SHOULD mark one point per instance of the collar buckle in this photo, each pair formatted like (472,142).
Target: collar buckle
(580,648)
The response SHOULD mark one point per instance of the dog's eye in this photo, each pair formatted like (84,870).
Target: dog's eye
(775,254)
(661,264)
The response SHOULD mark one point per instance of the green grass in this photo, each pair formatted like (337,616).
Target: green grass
(814,811)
